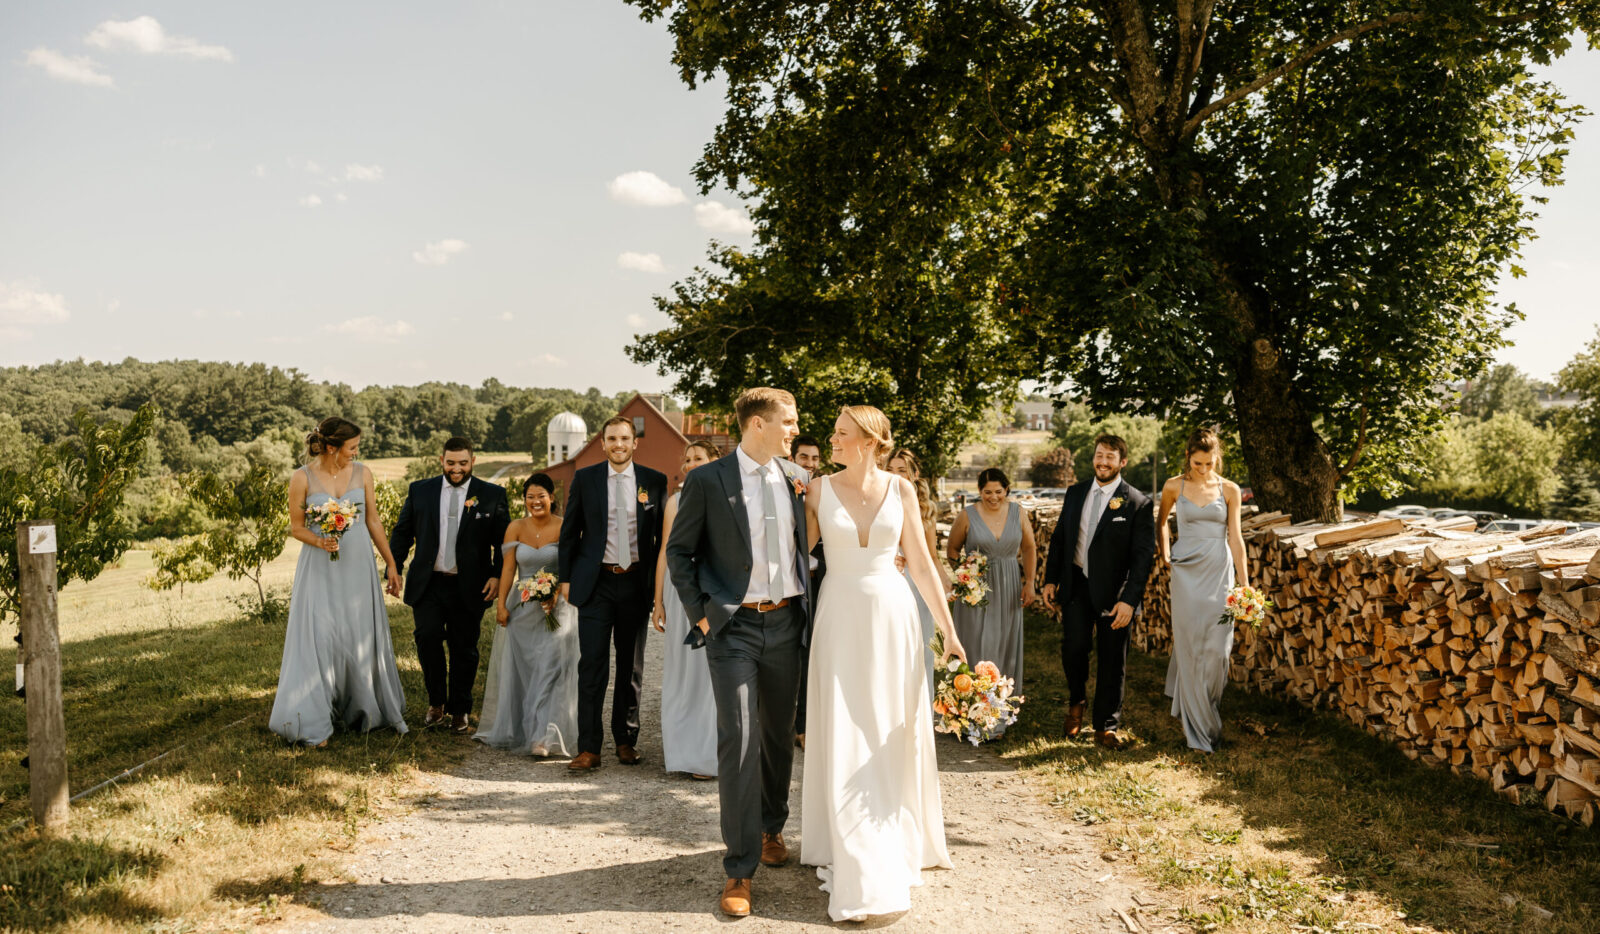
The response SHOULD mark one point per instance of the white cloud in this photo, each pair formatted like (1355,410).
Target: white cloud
(23,304)
(716,216)
(439,252)
(113,306)
(311,167)
(549,359)
(372,328)
(363,173)
(310,201)
(635,321)
(146,35)
(260,171)
(645,188)
(77,69)
(507,316)
(641,262)
(340,197)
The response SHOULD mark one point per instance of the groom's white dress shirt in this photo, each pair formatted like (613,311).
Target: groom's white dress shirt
(1089,519)
(628,488)
(445,561)
(786,581)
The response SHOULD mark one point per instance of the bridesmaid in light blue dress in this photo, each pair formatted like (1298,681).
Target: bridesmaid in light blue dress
(688,709)
(530,699)
(994,633)
(904,463)
(1206,561)
(338,661)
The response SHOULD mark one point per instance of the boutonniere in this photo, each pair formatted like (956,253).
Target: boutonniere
(1115,504)
(471,502)
(644,497)
(799,486)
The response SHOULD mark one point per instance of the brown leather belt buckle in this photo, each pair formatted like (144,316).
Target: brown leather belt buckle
(766,606)
(615,568)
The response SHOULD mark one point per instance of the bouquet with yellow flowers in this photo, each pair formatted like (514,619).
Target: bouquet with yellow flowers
(975,703)
(969,582)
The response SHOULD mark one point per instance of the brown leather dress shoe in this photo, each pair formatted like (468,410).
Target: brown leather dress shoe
(736,898)
(434,717)
(1108,739)
(584,762)
(774,852)
(1073,725)
(627,755)
(461,724)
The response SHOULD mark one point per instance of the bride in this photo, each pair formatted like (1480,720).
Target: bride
(871,820)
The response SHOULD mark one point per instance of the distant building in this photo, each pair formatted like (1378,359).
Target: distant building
(660,447)
(566,434)
(1041,416)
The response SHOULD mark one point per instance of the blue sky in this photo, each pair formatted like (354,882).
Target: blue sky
(397,192)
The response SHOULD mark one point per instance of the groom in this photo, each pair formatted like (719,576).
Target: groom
(457,523)
(1100,557)
(737,555)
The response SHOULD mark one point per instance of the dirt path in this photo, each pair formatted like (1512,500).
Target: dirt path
(514,844)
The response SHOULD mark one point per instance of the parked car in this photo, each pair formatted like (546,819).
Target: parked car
(1404,512)
(1512,525)
(1586,526)
(1444,513)
(1485,517)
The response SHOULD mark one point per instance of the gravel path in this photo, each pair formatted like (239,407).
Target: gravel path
(510,843)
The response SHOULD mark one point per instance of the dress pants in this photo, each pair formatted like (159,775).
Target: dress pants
(616,614)
(449,615)
(755,674)
(1081,626)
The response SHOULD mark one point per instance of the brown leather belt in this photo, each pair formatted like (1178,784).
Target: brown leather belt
(766,606)
(617,568)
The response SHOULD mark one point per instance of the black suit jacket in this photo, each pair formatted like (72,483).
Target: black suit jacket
(709,551)
(1120,553)
(478,537)
(583,526)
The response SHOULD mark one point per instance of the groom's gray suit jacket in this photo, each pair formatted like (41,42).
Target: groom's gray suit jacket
(709,552)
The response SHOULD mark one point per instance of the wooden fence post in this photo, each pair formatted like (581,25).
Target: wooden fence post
(41,648)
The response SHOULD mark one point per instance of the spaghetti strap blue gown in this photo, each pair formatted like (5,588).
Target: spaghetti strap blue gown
(1202,575)
(338,661)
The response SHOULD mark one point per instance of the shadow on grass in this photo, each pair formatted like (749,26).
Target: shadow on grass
(1314,790)
(47,884)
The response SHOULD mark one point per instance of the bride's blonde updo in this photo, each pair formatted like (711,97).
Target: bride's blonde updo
(875,425)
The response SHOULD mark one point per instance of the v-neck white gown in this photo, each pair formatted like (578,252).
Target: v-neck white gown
(871,819)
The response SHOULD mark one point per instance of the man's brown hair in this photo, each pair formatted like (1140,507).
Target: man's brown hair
(1114,443)
(763,401)
(617,420)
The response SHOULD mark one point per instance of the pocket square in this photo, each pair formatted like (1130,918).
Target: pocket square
(1120,519)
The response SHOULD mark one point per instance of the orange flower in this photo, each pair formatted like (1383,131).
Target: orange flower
(962,683)
(988,670)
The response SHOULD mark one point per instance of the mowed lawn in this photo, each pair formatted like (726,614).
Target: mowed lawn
(1301,822)
(233,827)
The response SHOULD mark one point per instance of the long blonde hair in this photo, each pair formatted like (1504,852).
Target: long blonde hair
(875,425)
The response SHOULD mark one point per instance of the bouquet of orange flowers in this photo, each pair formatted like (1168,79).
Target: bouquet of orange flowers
(974,703)
(541,587)
(332,518)
(1245,605)
(969,582)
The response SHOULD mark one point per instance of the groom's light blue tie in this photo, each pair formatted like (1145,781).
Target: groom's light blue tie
(769,516)
(1086,527)
(452,525)
(619,509)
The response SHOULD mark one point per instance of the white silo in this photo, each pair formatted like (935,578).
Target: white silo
(566,435)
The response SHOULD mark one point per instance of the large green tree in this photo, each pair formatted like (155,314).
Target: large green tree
(1284,217)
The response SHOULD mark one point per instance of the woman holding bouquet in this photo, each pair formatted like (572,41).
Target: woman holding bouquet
(1208,559)
(994,526)
(338,660)
(688,709)
(530,699)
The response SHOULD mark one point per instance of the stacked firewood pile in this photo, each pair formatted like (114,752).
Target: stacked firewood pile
(1478,652)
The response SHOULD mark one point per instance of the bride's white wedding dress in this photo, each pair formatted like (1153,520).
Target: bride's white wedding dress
(870,813)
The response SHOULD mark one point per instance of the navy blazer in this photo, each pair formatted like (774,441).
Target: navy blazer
(1120,553)
(478,537)
(709,553)
(584,524)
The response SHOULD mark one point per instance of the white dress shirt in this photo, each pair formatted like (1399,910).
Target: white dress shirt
(1088,523)
(786,581)
(445,561)
(630,495)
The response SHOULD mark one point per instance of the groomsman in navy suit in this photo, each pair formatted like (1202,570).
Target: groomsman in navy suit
(610,537)
(457,523)
(1099,561)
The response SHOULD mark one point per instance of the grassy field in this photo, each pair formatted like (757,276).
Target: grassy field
(489,463)
(228,831)
(1301,822)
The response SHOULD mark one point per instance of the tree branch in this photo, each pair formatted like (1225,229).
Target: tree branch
(1293,64)
(1361,442)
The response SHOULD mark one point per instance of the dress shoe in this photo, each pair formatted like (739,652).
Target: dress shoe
(800,740)
(434,716)
(1108,739)
(460,724)
(736,898)
(627,755)
(773,850)
(584,762)
(1073,725)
